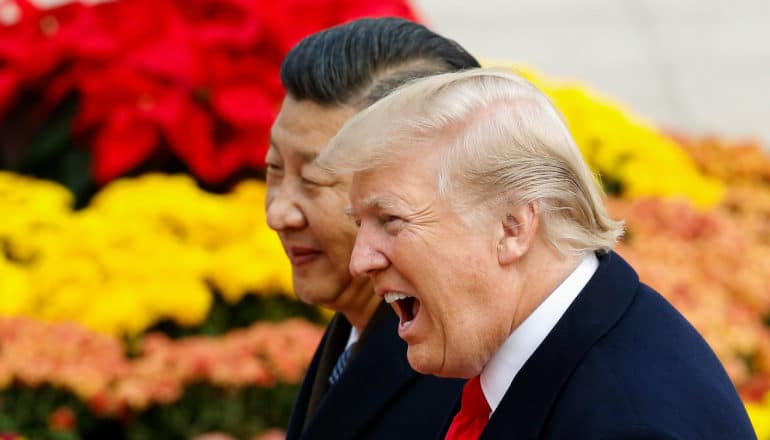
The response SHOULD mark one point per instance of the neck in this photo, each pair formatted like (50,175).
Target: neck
(541,272)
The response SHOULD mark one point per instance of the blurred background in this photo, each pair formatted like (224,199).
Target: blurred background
(141,293)
(698,66)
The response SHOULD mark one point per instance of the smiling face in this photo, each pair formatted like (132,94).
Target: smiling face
(307,208)
(437,272)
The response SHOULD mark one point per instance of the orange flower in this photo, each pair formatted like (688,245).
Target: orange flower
(95,368)
(62,419)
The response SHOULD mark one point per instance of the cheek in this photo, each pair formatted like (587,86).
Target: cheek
(327,210)
(334,231)
(469,314)
(444,321)
(340,236)
(269,196)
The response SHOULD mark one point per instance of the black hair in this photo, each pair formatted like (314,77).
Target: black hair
(359,62)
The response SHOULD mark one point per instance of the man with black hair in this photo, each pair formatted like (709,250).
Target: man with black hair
(359,384)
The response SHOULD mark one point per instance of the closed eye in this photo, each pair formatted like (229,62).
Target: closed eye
(274,173)
(385,219)
(308,182)
(273,167)
(312,180)
(312,176)
(391,223)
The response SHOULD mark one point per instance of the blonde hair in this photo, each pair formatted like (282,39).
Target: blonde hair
(503,144)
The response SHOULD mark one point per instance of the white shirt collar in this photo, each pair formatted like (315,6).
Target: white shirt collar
(500,371)
(353,338)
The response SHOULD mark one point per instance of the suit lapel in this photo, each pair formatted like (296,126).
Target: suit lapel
(450,418)
(307,400)
(338,334)
(377,373)
(527,403)
(299,411)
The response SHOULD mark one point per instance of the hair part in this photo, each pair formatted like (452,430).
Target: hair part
(502,144)
(361,61)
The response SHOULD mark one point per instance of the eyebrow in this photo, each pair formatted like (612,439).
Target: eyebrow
(374,201)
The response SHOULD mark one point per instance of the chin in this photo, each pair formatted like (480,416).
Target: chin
(422,362)
(312,296)
(304,298)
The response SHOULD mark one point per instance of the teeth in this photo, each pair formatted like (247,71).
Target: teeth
(394,296)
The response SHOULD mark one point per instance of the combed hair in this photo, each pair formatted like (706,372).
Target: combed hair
(503,144)
(359,62)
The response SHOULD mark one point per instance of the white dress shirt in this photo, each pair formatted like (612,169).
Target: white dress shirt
(500,371)
(353,338)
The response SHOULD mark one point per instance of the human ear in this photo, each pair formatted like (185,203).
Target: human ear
(519,228)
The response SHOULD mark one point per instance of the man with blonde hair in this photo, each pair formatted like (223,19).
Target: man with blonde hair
(482,226)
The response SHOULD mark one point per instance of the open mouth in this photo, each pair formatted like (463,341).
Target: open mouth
(406,306)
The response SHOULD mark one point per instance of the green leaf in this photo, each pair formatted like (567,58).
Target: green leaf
(51,140)
(52,136)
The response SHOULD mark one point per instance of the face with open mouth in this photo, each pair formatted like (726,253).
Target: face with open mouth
(306,206)
(431,267)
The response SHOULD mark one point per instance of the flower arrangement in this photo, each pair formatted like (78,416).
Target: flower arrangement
(94,368)
(91,92)
(150,116)
(173,85)
(720,282)
(153,247)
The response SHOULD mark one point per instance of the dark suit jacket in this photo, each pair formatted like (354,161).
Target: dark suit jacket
(378,396)
(620,364)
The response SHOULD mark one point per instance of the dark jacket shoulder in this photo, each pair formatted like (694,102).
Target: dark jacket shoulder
(621,363)
(651,376)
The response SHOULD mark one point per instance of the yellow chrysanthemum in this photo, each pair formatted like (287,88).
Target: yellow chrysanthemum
(759,413)
(14,290)
(146,249)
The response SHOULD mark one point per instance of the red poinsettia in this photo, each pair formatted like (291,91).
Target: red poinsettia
(35,45)
(194,79)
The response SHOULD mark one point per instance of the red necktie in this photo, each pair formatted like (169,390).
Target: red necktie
(473,415)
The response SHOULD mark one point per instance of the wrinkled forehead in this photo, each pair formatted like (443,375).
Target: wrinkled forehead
(368,189)
(401,185)
(366,194)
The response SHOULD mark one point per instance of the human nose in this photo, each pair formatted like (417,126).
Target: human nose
(283,209)
(366,258)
